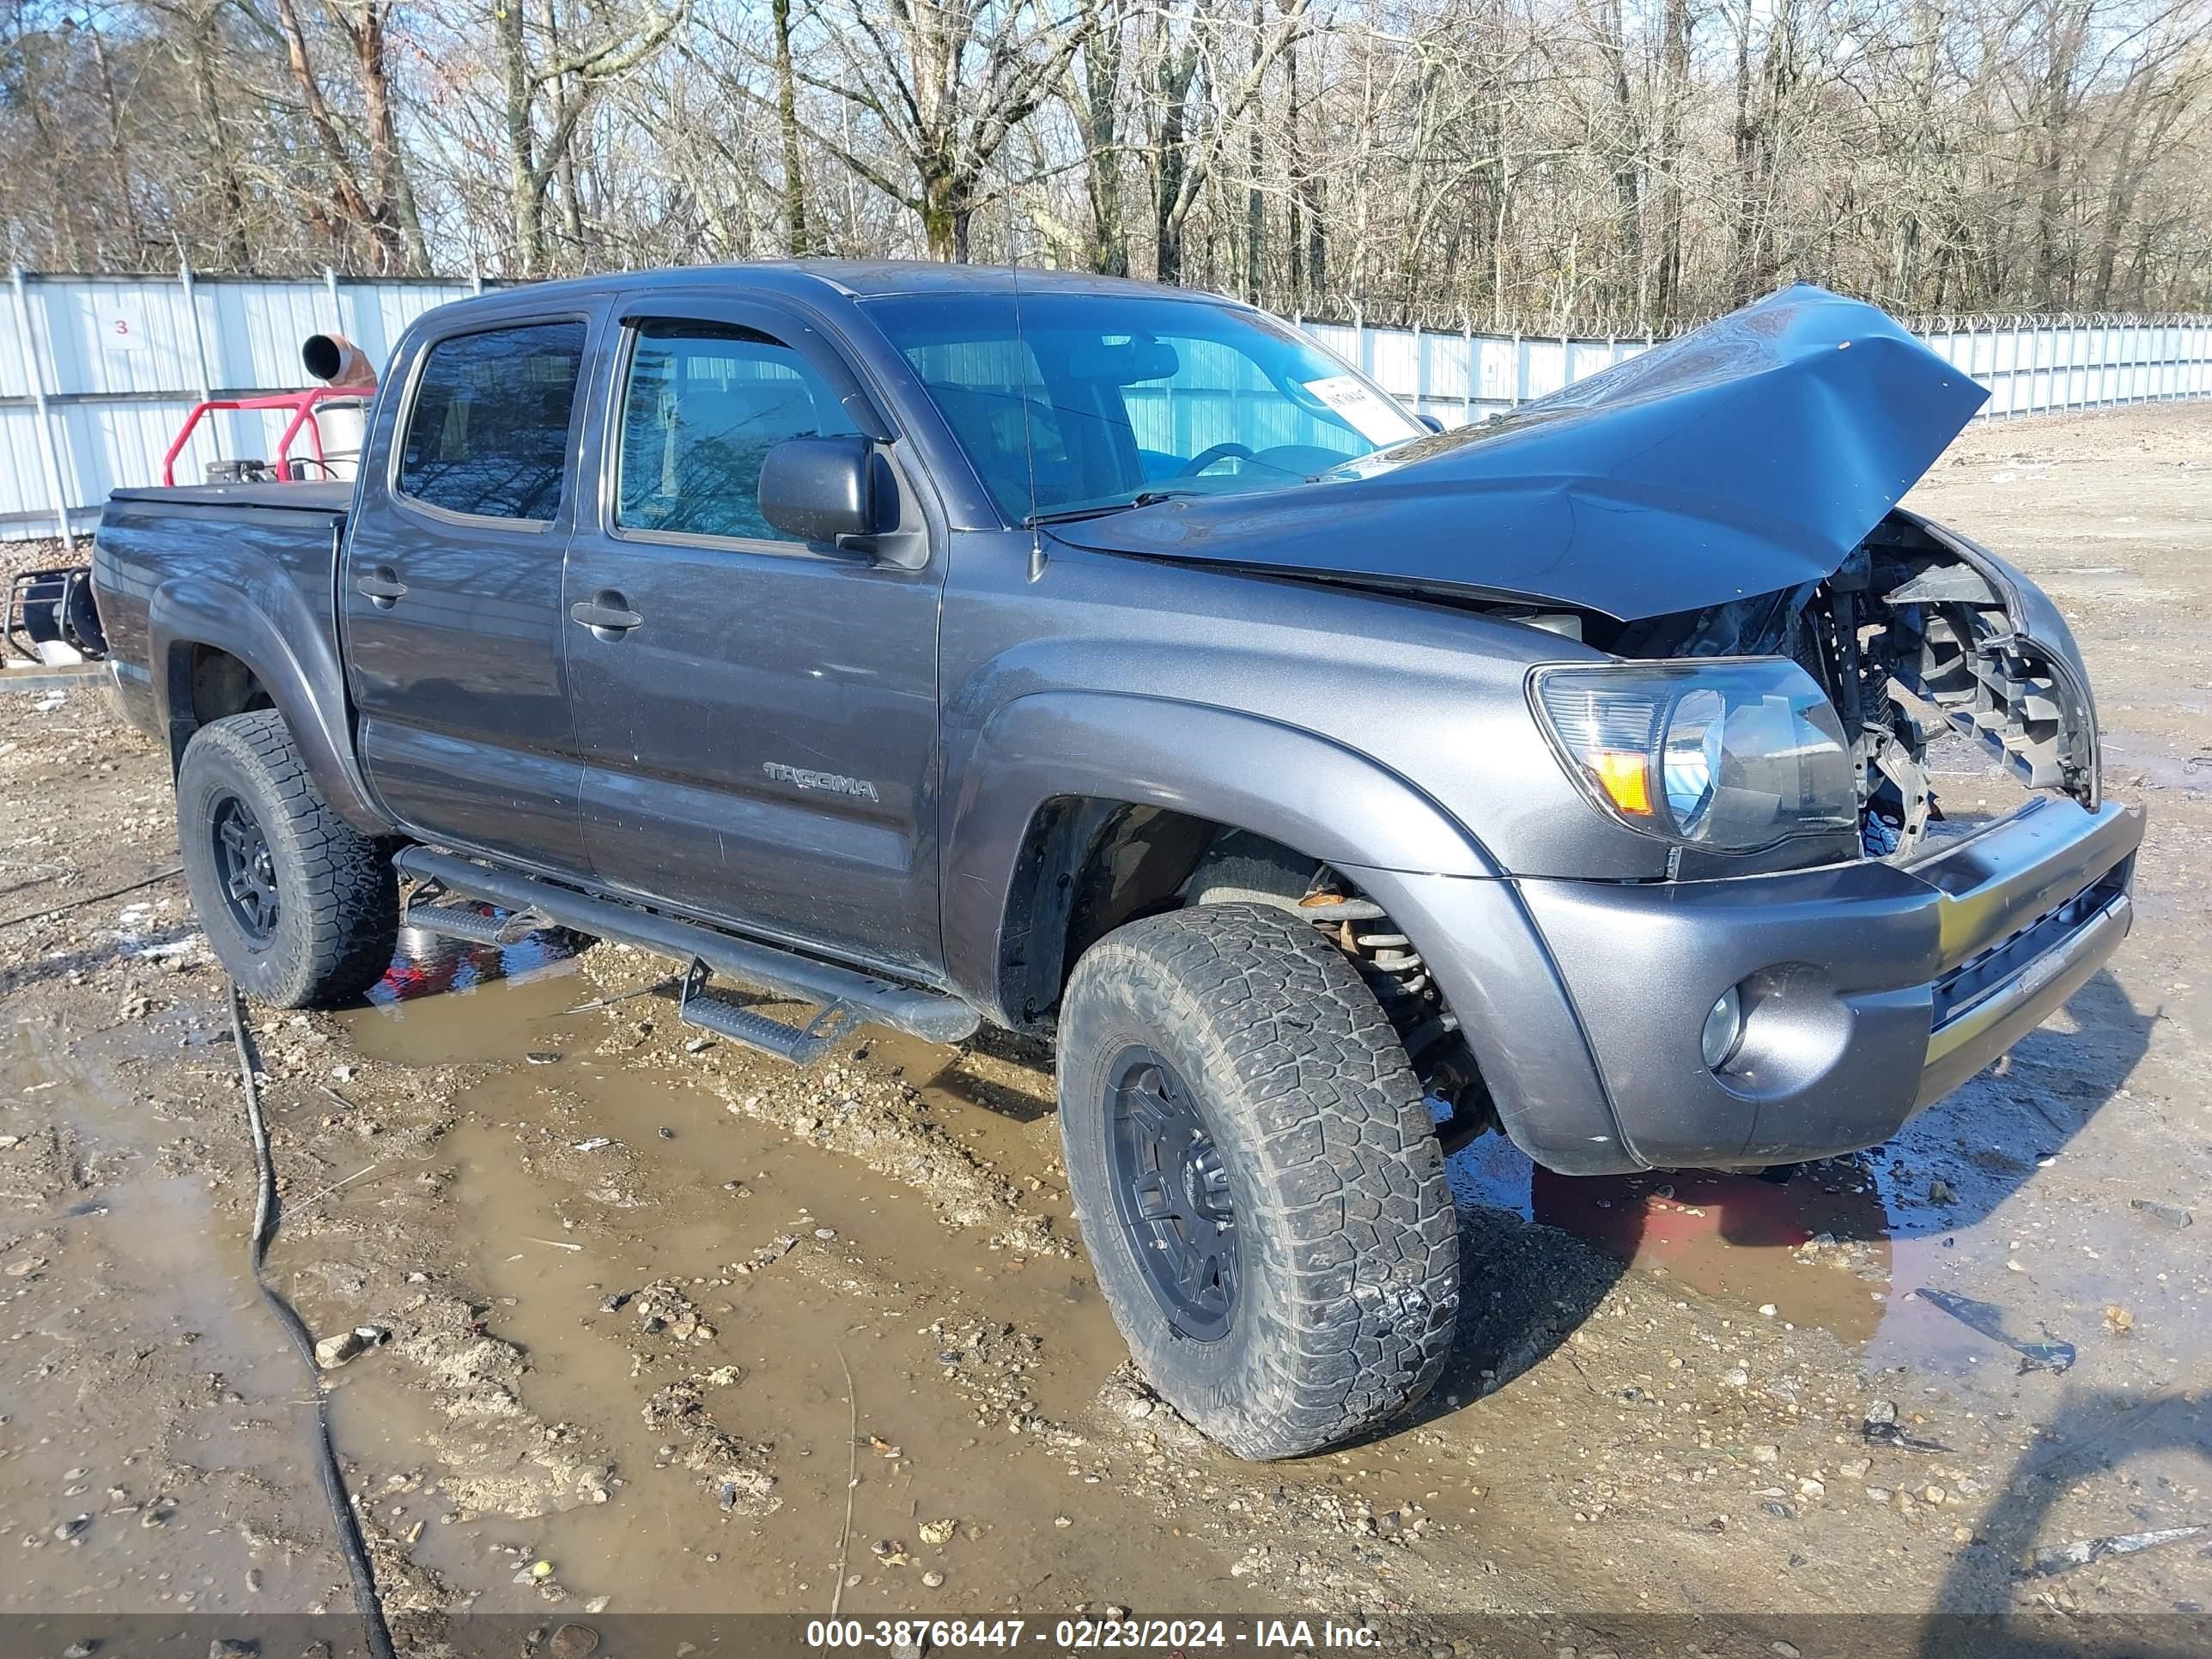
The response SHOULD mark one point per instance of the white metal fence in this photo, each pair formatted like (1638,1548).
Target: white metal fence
(2031,366)
(97,373)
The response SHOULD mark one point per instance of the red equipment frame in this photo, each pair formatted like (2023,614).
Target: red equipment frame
(302,406)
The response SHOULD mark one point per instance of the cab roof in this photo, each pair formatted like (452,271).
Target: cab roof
(851,279)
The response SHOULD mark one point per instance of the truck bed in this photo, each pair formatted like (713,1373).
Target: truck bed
(183,560)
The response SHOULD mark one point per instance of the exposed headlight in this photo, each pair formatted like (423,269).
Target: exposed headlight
(1733,754)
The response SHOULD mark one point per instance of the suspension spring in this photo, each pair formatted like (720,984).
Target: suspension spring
(1349,921)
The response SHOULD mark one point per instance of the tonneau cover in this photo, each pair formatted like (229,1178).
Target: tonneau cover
(335,496)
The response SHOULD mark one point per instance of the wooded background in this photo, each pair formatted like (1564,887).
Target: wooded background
(1610,165)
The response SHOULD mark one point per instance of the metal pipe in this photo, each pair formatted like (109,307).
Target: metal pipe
(1467,394)
(48,458)
(199,348)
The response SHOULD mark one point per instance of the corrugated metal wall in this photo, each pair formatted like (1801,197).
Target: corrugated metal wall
(120,362)
(2030,366)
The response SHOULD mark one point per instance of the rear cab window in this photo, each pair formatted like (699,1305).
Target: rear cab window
(487,433)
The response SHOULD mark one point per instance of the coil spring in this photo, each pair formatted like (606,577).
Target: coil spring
(1392,953)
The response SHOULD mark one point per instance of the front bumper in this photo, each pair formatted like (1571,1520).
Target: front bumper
(1871,990)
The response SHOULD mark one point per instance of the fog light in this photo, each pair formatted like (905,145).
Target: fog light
(1723,1030)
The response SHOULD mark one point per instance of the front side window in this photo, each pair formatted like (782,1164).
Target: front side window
(704,404)
(488,434)
(1084,403)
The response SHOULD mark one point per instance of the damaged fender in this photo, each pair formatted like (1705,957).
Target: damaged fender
(2068,729)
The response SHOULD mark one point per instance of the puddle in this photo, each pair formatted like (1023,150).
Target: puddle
(427,964)
(2003,1193)
(1838,1245)
(1816,1248)
(141,1262)
(547,1230)
(445,1002)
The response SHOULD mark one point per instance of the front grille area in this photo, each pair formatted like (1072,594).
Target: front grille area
(1972,979)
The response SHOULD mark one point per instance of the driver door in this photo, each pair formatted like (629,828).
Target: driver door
(756,717)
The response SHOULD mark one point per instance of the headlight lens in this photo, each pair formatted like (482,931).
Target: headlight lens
(1735,754)
(1690,757)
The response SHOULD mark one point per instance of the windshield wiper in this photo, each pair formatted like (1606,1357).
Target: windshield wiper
(1142,498)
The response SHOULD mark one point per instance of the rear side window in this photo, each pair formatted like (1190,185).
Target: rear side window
(489,432)
(704,404)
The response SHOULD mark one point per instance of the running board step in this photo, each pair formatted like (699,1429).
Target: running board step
(935,1015)
(712,1011)
(464,921)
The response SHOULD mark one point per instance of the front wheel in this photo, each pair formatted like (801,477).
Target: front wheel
(301,907)
(1257,1177)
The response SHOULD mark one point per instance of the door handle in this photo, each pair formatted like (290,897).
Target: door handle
(383,586)
(607,614)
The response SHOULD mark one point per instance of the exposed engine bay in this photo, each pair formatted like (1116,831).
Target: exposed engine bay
(1908,639)
(1913,639)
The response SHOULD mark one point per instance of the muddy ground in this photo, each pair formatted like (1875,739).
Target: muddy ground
(656,1307)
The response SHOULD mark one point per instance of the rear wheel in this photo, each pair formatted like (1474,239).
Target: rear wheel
(302,909)
(1257,1177)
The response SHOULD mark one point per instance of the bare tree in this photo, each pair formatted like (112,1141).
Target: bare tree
(552,86)
(946,82)
(1623,164)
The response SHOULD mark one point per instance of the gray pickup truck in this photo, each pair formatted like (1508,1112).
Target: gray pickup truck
(924,646)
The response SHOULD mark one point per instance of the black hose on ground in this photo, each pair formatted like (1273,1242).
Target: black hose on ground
(348,1528)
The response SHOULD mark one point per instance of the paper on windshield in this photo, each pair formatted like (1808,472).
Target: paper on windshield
(1373,417)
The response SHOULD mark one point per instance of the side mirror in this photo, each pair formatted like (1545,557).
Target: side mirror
(820,489)
(1430,421)
(843,491)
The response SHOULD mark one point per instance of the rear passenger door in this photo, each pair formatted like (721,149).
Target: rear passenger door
(756,717)
(450,589)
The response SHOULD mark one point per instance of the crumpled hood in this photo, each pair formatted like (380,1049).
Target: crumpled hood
(1752,455)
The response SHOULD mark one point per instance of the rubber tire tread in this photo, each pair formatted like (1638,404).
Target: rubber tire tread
(337,896)
(1350,1277)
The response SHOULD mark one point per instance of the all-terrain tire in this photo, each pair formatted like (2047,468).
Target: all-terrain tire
(334,914)
(1347,1251)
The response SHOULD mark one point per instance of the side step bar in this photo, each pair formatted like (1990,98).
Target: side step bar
(464,921)
(846,995)
(714,1011)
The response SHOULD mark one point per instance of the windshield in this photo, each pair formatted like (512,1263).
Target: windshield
(1106,400)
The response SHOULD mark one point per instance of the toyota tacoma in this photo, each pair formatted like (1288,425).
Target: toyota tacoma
(925,646)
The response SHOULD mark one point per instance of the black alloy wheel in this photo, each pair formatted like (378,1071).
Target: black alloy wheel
(1256,1175)
(247,869)
(1171,1193)
(300,906)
